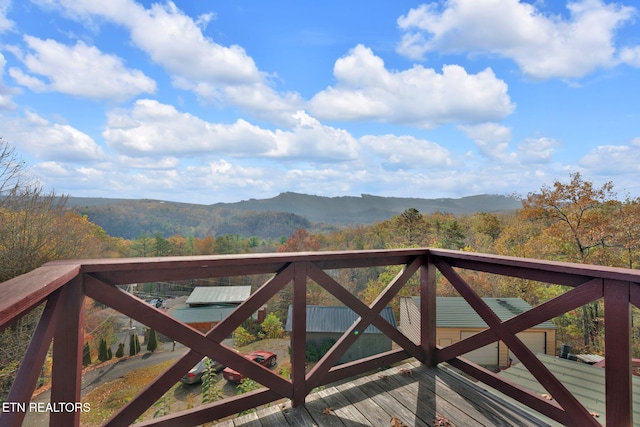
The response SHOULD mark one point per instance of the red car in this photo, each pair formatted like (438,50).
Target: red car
(265,358)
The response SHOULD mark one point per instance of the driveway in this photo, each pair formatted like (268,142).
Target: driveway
(105,373)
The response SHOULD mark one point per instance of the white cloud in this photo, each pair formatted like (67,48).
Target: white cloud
(79,70)
(544,46)
(332,181)
(152,128)
(631,56)
(309,139)
(6,94)
(5,23)
(537,150)
(420,96)
(155,129)
(52,169)
(407,152)
(195,62)
(52,141)
(264,102)
(626,159)
(175,41)
(166,163)
(491,139)
(223,179)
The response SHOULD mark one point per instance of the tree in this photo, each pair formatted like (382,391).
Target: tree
(574,219)
(162,246)
(577,212)
(272,326)
(143,246)
(376,287)
(134,345)
(486,223)
(447,232)
(204,246)
(452,235)
(35,228)
(86,355)
(230,244)
(120,350)
(152,344)
(242,337)
(11,171)
(411,226)
(485,228)
(103,353)
(626,229)
(179,245)
(300,241)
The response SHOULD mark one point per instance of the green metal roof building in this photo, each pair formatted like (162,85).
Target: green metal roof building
(586,382)
(456,320)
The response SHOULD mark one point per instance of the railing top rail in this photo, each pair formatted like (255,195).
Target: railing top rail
(336,258)
(24,292)
(587,270)
(371,257)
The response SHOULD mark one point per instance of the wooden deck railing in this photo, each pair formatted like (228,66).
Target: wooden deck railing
(63,286)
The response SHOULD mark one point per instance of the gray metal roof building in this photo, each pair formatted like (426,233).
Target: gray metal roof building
(337,319)
(206,295)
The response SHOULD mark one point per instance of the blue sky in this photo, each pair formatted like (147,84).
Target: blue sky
(205,102)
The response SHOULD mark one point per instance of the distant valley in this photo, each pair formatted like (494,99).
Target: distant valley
(266,218)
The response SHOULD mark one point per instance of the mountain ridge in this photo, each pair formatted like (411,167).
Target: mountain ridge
(269,218)
(373,208)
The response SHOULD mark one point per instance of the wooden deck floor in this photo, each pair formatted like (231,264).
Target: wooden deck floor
(412,394)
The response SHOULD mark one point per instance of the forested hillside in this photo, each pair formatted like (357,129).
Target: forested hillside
(368,209)
(130,219)
(268,218)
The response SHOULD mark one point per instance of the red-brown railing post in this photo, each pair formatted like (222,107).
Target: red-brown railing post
(617,353)
(66,375)
(298,333)
(428,311)
(34,358)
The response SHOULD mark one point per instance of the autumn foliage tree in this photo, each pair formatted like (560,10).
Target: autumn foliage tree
(576,215)
(35,228)
(575,226)
(300,241)
(272,326)
(626,231)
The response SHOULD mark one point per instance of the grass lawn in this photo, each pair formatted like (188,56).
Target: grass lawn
(108,398)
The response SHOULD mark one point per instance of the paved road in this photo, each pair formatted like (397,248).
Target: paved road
(96,377)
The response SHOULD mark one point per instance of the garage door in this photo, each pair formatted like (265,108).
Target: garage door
(487,355)
(536,341)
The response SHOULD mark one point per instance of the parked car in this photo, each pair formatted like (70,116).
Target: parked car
(156,302)
(265,358)
(194,376)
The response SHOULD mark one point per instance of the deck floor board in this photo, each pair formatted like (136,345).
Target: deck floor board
(412,394)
